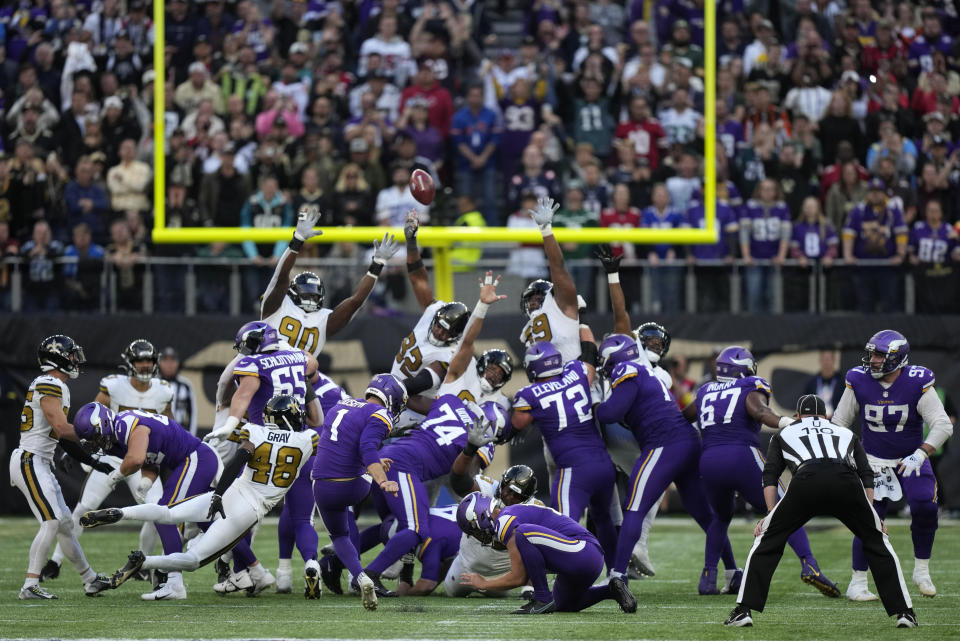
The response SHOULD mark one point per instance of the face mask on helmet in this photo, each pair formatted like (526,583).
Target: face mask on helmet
(61,353)
(886,352)
(284,412)
(531,301)
(307,292)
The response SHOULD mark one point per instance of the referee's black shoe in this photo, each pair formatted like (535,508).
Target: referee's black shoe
(907,619)
(739,618)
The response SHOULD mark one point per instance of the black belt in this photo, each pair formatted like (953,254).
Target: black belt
(821,462)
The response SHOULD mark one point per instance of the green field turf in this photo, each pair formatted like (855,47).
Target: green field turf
(669,605)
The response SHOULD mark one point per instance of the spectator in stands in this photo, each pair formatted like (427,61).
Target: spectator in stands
(593,122)
(532,177)
(526,261)
(42,287)
(126,257)
(385,93)
(828,384)
(713,280)
(575,215)
(934,185)
(213,281)
(362,155)
(439,102)
(242,78)
(476,133)
(813,239)
(85,200)
(128,180)
(666,280)
(46,112)
(265,209)
(933,250)
(623,215)
(764,235)
(352,201)
(216,24)
(750,165)
(643,133)
(181,28)
(182,209)
(82,277)
(755,53)
(520,112)
(309,194)
(395,201)
(30,130)
(876,231)
(197,88)
(73,127)
(891,109)
(223,193)
(682,186)
(894,145)
(9,248)
(838,125)
(393,50)
(808,97)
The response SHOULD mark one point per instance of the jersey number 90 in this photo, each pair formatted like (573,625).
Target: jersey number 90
(299,337)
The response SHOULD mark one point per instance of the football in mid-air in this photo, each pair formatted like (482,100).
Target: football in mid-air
(422,187)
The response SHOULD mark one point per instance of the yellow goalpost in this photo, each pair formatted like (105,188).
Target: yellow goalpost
(438,238)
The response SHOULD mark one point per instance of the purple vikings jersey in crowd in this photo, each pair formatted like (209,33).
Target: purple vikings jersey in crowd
(767,227)
(513,515)
(727,223)
(280,372)
(649,411)
(169,444)
(350,439)
(520,120)
(429,452)
(561,409)
(932,245)
(891,426)
(813,240)
(722,411)
(875,233)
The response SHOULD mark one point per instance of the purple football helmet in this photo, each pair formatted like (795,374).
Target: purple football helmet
(475,517)
(497,416)
(616,349)
(894,348)
(94,423)
(255,337)
(735,362)
(391,391)
(542,360)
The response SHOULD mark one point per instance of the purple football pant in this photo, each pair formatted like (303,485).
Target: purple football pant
(725,470)
(574,489)
(576,562)
(411,507)
(654,471)
(296,524)
(334,500)
(193,476)
(921,494)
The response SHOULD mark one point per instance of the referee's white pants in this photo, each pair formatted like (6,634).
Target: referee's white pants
(221,536)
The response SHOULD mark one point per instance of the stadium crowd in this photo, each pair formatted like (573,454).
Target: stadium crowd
(837,131)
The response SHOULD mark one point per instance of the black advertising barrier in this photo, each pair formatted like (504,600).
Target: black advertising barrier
(785,345)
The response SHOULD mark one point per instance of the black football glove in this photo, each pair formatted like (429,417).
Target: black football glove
(611,263)
(216,506)
(65,462)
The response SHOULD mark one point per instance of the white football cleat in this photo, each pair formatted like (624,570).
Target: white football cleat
(261,580)
(368,591)
(858,591)
(284,581)
(641,561)
(236,582)
(35,592)
(924,583)
(167,592)
(393,571)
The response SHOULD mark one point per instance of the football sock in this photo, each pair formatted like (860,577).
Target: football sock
(284,565)
(41,546)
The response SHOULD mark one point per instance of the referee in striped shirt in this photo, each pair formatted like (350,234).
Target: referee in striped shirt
(831,477)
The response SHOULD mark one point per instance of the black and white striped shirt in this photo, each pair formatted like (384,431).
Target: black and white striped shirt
(815,439)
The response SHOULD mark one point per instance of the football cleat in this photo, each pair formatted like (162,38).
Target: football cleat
(50,571)
(739,618)
(100,583)
(284,581)
(157,578)
(132,567)
(858,591)
(622,595)
(261,581)
(907,619)
(96,518)
(368,591)
(924,583)
(236,582)
(311,578)
(330,570)
(222,568)
(811,575)
(536,607)
(708,582)
(328,550)
(732,580)
(640,560)
(526,593)
(35,592)
(166,592)
(382,590)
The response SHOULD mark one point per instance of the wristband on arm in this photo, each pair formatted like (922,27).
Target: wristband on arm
(233,470)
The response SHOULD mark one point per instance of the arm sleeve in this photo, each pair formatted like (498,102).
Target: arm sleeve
(373,433)
(864,471)
(775,465)
(846,413)
(74,451)
(423,381)
(462,484)
(616,407)
(935,416)
(232,471)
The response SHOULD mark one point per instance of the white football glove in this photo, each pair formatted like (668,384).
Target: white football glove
(115,478)
(543,214)
(140,495)
(223,431)
(910,465)
(479,433)
(384,250)
(307,219)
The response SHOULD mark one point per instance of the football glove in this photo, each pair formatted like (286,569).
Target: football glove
(385,249)
(611,263)
(910,465)
(216,507)
(306,221)
(543,214)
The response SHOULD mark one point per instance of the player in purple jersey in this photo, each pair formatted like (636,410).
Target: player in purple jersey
(349,441)
(187,466)
(540,540)
(296,519)
(888,402)
(670,446)
(558,401)
(434,553)
(731,412)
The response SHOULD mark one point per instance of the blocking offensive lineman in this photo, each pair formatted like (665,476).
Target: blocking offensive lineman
(140,389)
(888,403)
(43,424)
(268,461)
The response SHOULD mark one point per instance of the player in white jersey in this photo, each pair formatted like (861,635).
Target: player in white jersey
(43,424)
(138,388)
(427,351)
(295,309)
(266,465)
(517,485)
